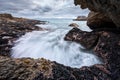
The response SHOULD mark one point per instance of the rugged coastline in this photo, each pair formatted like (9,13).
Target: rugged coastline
(104,41)
(37,69)
(11,28)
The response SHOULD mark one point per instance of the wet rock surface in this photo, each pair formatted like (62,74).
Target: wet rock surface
(104,44)
(84,38)
(11,28)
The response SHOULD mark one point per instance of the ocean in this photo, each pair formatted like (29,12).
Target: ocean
(50,44)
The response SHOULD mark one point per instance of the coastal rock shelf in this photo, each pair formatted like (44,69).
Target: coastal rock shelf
(42,69)
(11,28)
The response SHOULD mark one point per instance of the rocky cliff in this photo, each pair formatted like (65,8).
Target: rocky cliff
(110,8)
(104,40)
(104,44)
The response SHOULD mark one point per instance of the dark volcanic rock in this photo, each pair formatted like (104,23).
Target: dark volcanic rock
(41,69)
(86,39)
(11,28)
(104,44)
(108,47)
(111,8)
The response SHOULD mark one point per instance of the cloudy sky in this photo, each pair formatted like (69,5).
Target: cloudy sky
(41,8)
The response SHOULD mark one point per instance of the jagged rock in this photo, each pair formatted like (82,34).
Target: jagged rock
(74,25)
(111,8)
(105,44)
(11,28)
(80,18)
(100,21)
(86,39)
(109,49)
(42,69)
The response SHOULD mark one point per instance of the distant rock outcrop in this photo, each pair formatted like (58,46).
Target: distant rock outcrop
(81,18)
(5,15)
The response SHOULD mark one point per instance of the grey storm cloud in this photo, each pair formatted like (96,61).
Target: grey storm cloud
(40,7)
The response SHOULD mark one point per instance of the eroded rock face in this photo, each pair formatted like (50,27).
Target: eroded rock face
(100,21)
(105,44)
(84,38)
(108,47)
(111,8)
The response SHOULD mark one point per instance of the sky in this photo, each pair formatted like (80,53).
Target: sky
(42,8)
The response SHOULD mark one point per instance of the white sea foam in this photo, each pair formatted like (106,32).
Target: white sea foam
(51,45)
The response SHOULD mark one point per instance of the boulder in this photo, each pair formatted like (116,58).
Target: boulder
(74,25)
(86,39)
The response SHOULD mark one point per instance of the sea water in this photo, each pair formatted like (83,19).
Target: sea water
(50,44)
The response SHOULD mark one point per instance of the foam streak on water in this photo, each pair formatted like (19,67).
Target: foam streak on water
(51,45)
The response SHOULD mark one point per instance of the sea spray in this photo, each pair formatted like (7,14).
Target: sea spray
(51,45)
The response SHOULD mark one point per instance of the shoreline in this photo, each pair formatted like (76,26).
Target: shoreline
(103,43)
(11,28)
